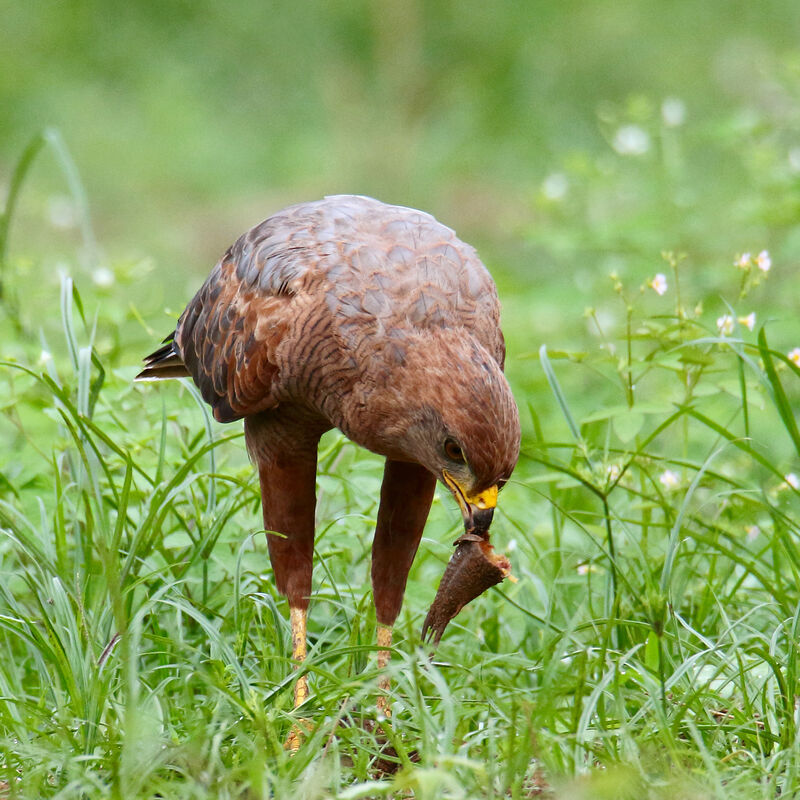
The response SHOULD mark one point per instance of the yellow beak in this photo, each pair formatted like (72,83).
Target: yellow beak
(476,508)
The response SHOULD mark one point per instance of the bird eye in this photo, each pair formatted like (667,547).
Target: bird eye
(453,450)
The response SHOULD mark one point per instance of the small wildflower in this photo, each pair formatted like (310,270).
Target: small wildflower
(631,140)
(673,112)
(753,532)
(794,356)
(585,569)
(763,261)
(792,480)
(669,479)
(103,277)
(555,186)
(749,321)
(613,472)
(745,261)
(45,356)
(659,283)
(725,324)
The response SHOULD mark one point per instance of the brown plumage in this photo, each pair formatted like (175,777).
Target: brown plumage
(371,318)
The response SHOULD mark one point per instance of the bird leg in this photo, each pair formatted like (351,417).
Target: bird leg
(406,495)
(297,617)
(283,444)
(384,682)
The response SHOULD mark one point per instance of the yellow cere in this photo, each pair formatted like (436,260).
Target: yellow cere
(485,499)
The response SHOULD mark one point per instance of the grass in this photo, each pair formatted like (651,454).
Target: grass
(650,647)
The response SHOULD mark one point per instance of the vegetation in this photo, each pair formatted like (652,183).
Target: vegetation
(643,232)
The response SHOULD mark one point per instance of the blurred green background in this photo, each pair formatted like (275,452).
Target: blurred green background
(566,141)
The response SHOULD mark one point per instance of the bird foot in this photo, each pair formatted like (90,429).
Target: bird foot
(384,706)
(472,569)
(387,760)
(297,735)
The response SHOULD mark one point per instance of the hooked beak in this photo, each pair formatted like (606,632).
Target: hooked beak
(477,509)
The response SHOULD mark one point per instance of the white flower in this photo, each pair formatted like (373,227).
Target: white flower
(673,112)
(669,479)
(753,532)
(725,324)
(585,569)
(659,283)
(744,261)
(103,277)
(555,186)
(613,472)
(792,480)
(45,357)
(763,261)
(749,321)
(631,140)
(794,356)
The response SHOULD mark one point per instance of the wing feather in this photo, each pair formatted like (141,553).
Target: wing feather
(347,268)
(229,333)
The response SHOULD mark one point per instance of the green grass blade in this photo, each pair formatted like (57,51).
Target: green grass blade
(555,388)
(779,397)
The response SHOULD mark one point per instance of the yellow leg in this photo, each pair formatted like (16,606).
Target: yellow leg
(384,682)
(297,618)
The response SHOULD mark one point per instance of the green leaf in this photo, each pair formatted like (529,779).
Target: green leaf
(627,425)
(694,355)
(610,412)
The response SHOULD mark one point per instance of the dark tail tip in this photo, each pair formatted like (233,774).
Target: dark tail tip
(164,363)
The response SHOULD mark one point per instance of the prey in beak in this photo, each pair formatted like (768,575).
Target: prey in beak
(477,509)
(474,566)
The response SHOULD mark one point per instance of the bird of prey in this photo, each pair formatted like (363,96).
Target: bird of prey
(377,320)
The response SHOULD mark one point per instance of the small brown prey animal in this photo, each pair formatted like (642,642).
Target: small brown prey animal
(377,320)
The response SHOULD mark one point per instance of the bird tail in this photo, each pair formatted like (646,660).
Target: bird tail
(164,363)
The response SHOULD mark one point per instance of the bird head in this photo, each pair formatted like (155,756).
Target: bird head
(470,441)
(453,412)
